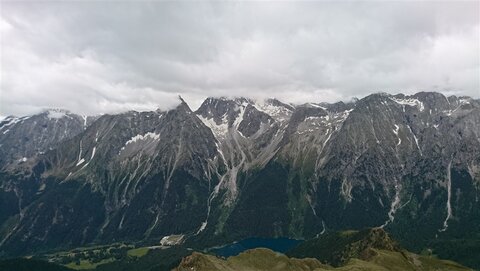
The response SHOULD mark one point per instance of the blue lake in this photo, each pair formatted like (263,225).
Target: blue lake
(281,245)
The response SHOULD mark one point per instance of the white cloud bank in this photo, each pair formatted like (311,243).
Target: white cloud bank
(96,57)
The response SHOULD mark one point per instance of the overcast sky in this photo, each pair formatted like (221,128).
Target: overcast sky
(96,57)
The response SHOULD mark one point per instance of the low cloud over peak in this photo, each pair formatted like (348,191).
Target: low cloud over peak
(97,57)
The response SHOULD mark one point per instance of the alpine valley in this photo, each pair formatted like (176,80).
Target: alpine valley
(240,168)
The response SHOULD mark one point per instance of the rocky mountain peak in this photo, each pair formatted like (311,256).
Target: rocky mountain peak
(22,138)
(56,113)
(183,106)
(296,171)
(222,110)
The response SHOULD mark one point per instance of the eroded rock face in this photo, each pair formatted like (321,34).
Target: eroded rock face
(23,138)
(237,168)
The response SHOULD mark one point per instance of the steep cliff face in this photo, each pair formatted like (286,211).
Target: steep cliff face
(385,161)
(128,176)
(22,138)
(237,168)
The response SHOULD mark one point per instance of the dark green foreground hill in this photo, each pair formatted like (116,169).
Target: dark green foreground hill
(30,265)
(370,249)
(337,248)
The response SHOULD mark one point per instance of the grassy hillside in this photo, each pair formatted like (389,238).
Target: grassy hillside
(336,248)
(263,259)
(369,249)
(254,259)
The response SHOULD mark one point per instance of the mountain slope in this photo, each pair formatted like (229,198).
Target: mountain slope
(127,176)
(264,259)
(369,249)
(367,165)
(336,248)
(238,168)
(255,259)
(25,137)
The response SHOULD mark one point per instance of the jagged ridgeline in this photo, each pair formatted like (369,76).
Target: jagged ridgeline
(237,168)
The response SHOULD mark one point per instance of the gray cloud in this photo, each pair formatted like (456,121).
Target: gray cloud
(95,57)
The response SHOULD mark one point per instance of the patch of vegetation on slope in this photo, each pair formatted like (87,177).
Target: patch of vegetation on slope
(254,259)
(464,251)
(262,259)
(336,248)
(120,257)
(82,258)
(369,249)
(154,260)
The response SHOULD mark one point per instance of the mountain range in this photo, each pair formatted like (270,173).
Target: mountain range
(237,168)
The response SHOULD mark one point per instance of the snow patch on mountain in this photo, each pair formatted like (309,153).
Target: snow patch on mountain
(449,196)
(93,152)
(278,113)
(219,130)
(316,106)
(202,227)
(323,228)
(241,110)
(342,116)
(79,153)
(410,102)
(394,206)
(347,190)
(56,113)
(416,140)
(464,100)
(11,122)
(395,131)
(81,161)
(143,137)
(316,119)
